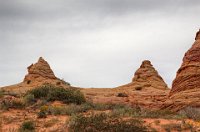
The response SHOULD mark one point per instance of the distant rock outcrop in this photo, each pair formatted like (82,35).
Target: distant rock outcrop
(147,88)
(39,74)
(186,86)
(147,76)
(39,71)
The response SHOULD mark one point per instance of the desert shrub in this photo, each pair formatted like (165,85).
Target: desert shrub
(69,109)
(188,126)
(27,126)
(57,110)
(1,93)
(124,111)
(44,108)
(64,82)
(52,93)
(167,114)
(15,104)
(122,95)
(51,122)
(172,127)
(104,123)
(5,105)
(29,99)
(73,109)
(42,114)
(192,113)
(138,88)
(18,104)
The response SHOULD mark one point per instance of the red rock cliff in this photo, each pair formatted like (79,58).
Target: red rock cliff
(188,75)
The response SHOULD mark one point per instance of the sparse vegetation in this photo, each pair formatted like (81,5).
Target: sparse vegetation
(29,99)
(103,122)
(172,127)
(192,113)
(27,126)
(42,114)
(51,122)
(1,93)
(52,93)
(16,104)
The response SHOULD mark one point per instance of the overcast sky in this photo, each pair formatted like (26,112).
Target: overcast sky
(95,43)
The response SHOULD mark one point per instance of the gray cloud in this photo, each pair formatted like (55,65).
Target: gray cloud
(95,43)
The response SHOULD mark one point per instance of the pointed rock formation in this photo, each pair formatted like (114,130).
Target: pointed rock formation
(147,88)
(147,76)
(38,74)
(188,75)
(186,86)
(39,71)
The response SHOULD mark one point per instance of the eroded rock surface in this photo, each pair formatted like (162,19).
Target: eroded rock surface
(147,76)
(39,74)
(186,86)
(39,70)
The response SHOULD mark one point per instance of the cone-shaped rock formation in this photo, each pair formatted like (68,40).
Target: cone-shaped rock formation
(186,86)
(147,76)
(39,70)
(39,74)
(188,76)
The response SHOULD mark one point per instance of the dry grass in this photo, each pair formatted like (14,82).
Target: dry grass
(51,122)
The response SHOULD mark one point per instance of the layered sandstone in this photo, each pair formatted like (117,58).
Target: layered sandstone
(186,86)
(39,71)
(147,76)
(39,74)
(188,75)
(147,90)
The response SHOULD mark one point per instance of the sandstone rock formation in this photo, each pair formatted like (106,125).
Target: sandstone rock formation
(39,71)
(186,86)
(38,74)
(147,90)
(147,76)
(188,75)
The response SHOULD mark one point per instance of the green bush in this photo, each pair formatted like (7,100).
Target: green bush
(27,126)
(69,109)
(167,114)
(52,93)
(104,123)
(29,99)
(124,111)
(42,114)
(57,110)
(15,104)
(1,93)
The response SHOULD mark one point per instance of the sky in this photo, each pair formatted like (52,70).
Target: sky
(95,43)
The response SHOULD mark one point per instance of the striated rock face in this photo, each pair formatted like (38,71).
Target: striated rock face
(39,70)
(148,76)
(188,76)
(147,88)
(39,74)
(186,86)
